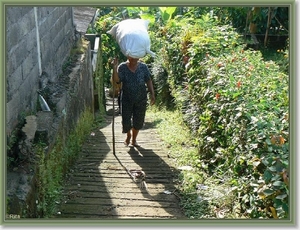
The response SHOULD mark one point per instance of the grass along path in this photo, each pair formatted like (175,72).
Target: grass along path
(203,195)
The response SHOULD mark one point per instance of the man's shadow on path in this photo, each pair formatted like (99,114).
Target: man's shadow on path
(159,173)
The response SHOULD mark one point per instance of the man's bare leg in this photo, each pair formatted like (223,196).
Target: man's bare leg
(135,132)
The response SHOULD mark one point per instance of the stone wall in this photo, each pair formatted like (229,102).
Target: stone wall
(38,42)
(75,96)
(60,69)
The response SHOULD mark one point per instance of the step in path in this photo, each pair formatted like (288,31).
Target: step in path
(101,185)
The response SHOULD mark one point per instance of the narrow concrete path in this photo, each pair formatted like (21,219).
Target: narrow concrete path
(100,186)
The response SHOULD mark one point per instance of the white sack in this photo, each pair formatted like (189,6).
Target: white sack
(132,37)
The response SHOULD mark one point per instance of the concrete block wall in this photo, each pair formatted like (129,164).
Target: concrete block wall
(71,92)
(26,59)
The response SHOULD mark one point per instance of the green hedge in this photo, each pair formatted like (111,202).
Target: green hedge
(236,104)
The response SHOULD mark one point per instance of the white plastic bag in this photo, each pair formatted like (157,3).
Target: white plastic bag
(132,37)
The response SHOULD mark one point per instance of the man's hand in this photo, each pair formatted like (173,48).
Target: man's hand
(152,99)
(115,63)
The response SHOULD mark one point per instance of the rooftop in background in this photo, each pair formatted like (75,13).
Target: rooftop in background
(83,16)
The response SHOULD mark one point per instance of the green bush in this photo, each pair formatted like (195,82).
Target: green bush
(242,115)
(236,105)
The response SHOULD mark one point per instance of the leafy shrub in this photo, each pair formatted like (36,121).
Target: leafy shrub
(236,104)
(243,127)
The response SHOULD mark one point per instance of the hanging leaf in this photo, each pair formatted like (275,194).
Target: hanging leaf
(274,213)
(267,176)
(268,192)
(167,12)
(165,16)
(281,197)
(149,17)
(256,163)
(285,177)
(278,183)
(281,140)
(144,8)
